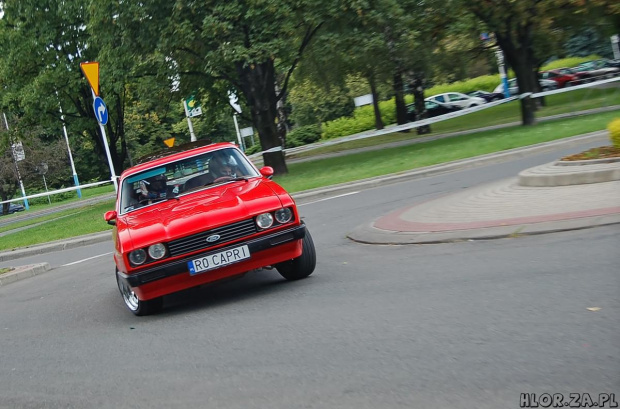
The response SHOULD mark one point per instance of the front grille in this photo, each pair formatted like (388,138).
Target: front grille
(199,241)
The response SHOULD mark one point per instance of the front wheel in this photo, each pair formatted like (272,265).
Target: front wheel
(302,266)
(135,305)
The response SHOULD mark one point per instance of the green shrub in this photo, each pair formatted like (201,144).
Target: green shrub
(614,132)
(363,120)
(253,149)
(568,62)
(303,136)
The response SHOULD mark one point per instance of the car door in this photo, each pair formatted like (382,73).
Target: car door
(458,100)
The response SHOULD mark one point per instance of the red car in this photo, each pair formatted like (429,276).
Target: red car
(199,216)
(562,76)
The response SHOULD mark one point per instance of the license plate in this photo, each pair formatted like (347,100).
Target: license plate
(217,260)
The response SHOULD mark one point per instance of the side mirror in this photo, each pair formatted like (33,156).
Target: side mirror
(267,171)
(110,217)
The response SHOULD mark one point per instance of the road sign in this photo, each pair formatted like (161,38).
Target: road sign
(91,72)
(101,111)
(192,107)
(169,142)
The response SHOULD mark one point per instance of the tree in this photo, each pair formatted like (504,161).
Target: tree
(253,48)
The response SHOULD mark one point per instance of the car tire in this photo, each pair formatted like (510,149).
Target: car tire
(302,266)
(134,304)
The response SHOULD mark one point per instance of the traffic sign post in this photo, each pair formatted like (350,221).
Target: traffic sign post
(91,72)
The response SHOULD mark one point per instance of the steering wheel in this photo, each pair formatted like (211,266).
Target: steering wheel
(223,179)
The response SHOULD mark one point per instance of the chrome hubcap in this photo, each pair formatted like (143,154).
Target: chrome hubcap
(129,296)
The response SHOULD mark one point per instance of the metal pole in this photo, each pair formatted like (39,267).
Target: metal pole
(64,129)
(48,196)
(614,46)
(19,176)
(241,144)
(107,150)
(189,123)
(502,71)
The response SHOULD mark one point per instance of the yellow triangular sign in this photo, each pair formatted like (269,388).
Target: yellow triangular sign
(169,142)
(91,72)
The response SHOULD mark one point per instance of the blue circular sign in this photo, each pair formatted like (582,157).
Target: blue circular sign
(101,111)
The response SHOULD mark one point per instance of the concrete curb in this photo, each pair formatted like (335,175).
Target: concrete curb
(56,246)
(20,273)
(368,234)
(319,193)
(488,159)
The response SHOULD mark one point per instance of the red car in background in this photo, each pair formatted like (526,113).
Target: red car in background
(562,76)
(199,216)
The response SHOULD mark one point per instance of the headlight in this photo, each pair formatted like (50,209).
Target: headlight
(157,251)
(264,221)
(137,257)
(284,215)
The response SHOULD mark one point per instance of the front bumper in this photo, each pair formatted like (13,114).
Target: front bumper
(179,266)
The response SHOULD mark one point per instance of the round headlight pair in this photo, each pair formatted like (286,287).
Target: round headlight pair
(156,251)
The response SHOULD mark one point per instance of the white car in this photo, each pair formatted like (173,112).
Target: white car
(456,99)
(545,85)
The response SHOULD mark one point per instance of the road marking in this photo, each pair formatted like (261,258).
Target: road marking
(329,198)
(86,259)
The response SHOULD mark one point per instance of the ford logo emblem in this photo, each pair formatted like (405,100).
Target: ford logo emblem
(214,238)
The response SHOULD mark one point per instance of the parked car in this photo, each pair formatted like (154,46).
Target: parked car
(545,85)
(14,207)
(487,96)
(432,109)
(199,216)
(597,69)
(562,77)
(456,99)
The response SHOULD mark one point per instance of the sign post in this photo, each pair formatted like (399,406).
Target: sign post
(18,154)
(192,109)
(64,130)
(91,72)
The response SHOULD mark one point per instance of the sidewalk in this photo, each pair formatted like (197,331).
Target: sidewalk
(548,198)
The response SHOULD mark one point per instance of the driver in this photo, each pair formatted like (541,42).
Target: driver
(219,167)
(153,188)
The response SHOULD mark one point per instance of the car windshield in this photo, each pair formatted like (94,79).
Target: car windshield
(176,178)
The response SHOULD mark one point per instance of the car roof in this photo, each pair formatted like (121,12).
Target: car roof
(161,158)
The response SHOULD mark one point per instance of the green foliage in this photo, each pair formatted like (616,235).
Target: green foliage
(314,104)
(363,120)
(303,136)
(614,132)
(253,149)
(568,62)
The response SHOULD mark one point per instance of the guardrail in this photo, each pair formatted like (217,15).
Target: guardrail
(54,192)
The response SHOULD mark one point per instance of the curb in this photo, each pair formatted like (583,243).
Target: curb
(56,246)
(469,163)
(20,273)
(319,193)
(368,234)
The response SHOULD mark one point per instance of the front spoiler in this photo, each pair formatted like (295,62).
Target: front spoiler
(180,266)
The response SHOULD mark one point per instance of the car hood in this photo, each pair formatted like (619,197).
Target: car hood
(198,211)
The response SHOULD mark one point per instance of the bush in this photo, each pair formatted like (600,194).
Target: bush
(253,149)
(363,120)
(614,132)
(303,136)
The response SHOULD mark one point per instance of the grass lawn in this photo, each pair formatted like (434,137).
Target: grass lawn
(88,219)
(325,172)
(563,103)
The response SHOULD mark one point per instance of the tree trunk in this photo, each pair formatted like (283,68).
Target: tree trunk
(522,61)
(375,102)
(258,86)
(420,107)
(399,97)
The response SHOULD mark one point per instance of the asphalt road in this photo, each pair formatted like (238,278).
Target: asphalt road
(461,325)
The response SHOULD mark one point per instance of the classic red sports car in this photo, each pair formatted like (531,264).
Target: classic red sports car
(199,216)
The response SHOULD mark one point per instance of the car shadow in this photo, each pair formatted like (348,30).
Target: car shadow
(257,283)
